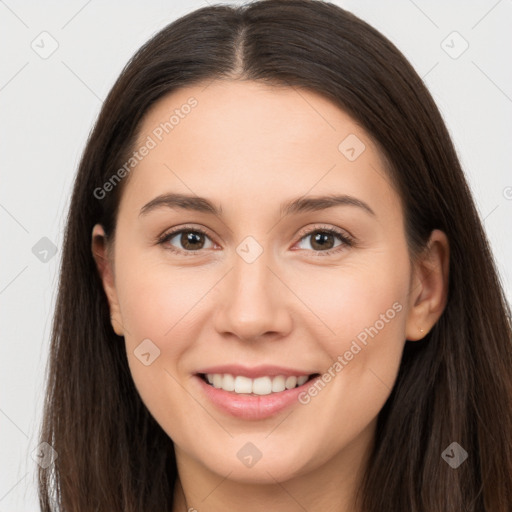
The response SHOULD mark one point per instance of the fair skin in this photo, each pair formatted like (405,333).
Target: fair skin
(248,148)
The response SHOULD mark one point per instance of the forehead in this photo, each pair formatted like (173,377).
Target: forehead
(241,142)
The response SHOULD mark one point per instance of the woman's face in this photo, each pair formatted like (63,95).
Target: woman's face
(267,293)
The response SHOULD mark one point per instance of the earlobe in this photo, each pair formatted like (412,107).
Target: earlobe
(104,265)
(429,288)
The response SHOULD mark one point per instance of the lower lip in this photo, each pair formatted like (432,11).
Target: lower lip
(253,407)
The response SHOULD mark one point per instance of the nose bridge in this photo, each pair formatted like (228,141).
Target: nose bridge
(251,281)
(251,302)
(252,277)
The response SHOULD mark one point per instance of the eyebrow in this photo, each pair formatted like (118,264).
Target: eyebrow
(294,206)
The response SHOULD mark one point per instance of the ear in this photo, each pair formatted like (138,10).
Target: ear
(105,265)
(429,287)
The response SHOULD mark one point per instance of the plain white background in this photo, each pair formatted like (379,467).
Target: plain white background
(49,105)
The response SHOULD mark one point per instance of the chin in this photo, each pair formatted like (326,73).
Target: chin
(267,470)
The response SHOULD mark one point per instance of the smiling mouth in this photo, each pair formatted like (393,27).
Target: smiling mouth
(266,385)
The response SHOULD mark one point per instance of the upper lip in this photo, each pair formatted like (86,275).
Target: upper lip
(255,371)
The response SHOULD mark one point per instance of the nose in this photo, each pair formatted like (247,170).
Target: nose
(253,301)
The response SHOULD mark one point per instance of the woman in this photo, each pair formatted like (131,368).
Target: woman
(276,291)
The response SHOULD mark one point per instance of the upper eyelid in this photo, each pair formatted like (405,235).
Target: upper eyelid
(322,227)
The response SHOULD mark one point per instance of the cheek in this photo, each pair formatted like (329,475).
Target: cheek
(159,307)
(363,299)
(159,302)
(363,312)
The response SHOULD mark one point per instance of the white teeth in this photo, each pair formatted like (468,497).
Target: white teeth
(217,380)
(291,382)
(278,384)
(262,386)
(243,384)
(228,382)
(301,380)
(258,386)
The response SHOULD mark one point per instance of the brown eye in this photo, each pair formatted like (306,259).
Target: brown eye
(324,240)
(191,240)
(186,240)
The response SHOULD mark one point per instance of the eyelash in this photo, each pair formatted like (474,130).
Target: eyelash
(347,240)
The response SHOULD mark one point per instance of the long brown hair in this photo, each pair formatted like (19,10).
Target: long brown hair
(453,386)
